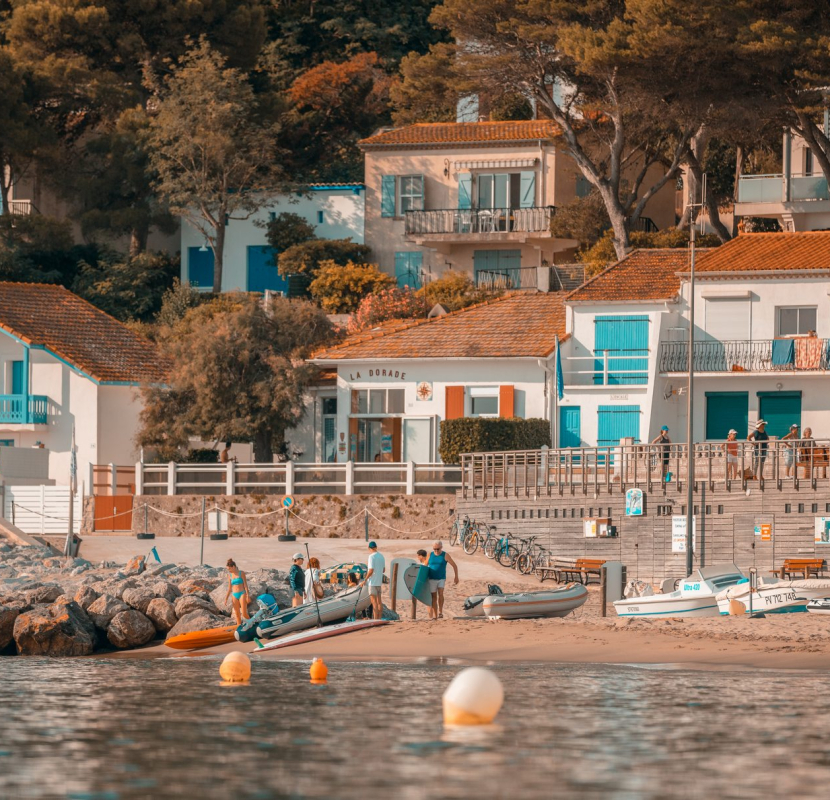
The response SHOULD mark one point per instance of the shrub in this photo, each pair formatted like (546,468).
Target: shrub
(201,455)
(385,305)
(288,229)
(305,258)
(476,434)
(454,290)
(339,289)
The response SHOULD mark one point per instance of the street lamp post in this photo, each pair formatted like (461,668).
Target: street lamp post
(690,447)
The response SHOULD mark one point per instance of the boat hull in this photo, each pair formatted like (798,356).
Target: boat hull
(332,609)
(785,597)
(526,605)
(819,606)
(656,606)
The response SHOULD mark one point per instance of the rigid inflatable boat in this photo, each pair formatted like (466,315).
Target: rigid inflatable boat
(546,603)
(330,609)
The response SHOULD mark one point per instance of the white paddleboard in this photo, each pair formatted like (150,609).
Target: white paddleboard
(315,634)
(404,564)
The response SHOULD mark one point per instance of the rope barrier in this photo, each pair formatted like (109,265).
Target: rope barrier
(397,530)
(336,525)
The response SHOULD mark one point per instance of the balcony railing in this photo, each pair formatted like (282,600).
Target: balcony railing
(21,207)
(807,354)
(13,409)
(479,220)
(509,278)
(770,188)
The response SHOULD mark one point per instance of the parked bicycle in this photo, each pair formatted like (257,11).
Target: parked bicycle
(528,554)
(477,535)
(506,552)
(459,529)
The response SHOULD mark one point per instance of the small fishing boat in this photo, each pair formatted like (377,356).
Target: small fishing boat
(779,597)
(331,609)
(546,603)
(695,596)
(196,640)
(819,606)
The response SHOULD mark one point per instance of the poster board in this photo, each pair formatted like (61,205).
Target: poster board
(634,503)
(678,534)
(822,530)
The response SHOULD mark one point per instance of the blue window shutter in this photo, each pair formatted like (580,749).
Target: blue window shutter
(509,259)
(200,267)
(617,422)
(465,190)
(408,268)
(387,196)
(17,377)
(625,337)
(527,194)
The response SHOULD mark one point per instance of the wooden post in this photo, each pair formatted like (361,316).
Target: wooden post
(414,607)
(394,587)
(603,579)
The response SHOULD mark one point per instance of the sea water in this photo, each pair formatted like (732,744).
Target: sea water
(98,729)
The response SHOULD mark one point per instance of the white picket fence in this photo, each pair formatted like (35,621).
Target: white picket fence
(40,510)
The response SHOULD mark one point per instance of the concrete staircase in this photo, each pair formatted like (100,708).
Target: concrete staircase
(567,277)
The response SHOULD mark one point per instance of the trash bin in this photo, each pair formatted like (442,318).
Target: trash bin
(74,545)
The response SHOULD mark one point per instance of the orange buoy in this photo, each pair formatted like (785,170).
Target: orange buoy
(318,671)
(236,668)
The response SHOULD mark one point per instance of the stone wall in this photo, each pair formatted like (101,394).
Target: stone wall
(401,516)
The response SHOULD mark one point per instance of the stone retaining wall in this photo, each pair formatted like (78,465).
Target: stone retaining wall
(403,517)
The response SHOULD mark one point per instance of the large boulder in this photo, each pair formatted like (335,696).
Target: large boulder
(130,629)
(8,614)
(85,596)
(189,603)
(193,585)
(166,590)
(117,587)
(61,629)
(138,598)
(198,620)
(159,569)
(135,566)
(43,594)
(162,614)
(102,610)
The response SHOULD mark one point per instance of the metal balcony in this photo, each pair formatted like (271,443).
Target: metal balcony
(14,407)
(803,354)
(461,221)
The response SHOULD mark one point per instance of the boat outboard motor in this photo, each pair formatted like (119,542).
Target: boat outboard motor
(493,588)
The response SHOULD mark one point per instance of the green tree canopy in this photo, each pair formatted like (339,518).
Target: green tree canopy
(306,258)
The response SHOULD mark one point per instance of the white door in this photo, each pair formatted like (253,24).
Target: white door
(727,320)
(417,440)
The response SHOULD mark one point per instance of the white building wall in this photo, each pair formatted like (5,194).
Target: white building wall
(342,214)
(118,411)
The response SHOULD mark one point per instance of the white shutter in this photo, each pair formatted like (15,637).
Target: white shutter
(728,319)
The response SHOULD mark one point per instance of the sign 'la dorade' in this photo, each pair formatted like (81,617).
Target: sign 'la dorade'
(375,372)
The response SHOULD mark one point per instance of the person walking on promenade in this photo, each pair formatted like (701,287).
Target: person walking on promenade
(761,439)
(791,453)
(731,449)
(311,592)
(238,587)
(296,579)
(438,561)
(374,579)
(664,451)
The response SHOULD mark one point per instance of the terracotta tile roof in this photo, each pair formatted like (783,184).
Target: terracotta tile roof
(436,133)
(79,333)
(648,274)
(514,326)
(761,252)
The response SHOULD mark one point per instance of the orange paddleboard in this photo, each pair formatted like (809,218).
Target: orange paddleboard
(206,638)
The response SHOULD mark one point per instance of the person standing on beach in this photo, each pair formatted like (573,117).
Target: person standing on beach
(437,564)
(374,579)
(238,587)
(296,579)
(312,580)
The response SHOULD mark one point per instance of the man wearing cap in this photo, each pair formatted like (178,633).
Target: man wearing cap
(731,448)
(665,450)
(791,453)
(437,564)
(760,437)
(296,579)
(374,579)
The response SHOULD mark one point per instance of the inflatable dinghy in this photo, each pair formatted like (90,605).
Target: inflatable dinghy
(547,603)
(331,609)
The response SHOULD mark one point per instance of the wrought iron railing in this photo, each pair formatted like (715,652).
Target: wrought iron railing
(479,220)
(766,355)
(509,278)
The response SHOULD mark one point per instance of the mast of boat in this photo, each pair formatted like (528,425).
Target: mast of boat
(316,601)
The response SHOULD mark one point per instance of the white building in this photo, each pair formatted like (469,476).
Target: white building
(335,210)
(388,389)
(65,364)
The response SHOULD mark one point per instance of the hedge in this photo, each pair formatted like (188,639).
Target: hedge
(477,434)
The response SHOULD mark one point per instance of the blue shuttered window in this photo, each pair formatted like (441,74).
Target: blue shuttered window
(617,422)
(527,192)
(626,340)
(387,196)
(780,410)
(200,267)
(17,377)
(465,190)
(262,270)
(408,266)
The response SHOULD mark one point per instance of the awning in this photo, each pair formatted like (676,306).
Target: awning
(501,163)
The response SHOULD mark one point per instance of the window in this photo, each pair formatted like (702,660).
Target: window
(200,267)
(329,405)
(484,401)
(410,193)
(272,216)
(625,340)
(321,217)
(6,442)
(378,401)
(796,321)
(408,264)
(583,186)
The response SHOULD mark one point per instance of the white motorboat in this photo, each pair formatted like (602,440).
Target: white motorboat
(547,603)
(819,606)
(695,597)
(779,597)
(330,609)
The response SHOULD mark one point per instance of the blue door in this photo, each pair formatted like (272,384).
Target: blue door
(262,270)
(497,268)
(200,267)
(625,337)
(570,434)
(780,410)
(617,422)
(17,377)
(408,266)
(724,411)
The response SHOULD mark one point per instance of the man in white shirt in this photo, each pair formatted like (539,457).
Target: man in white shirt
(374,579)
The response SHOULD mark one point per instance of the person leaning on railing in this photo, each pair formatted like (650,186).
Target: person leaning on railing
(812,456)
(761,439)
(731,450)
(791,453)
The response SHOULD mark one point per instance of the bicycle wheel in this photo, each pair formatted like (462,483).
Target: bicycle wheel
(490,546)
(454,534)
(524,563)
(541,564)
(471,543)
(508,555)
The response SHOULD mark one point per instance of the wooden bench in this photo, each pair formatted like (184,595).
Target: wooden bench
(571,569)
(800,566)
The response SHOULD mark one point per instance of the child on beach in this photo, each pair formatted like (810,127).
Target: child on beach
(238,587)
(423,561)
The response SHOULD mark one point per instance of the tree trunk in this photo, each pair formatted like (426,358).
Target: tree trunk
(218,251)
(263,453)
(693,162)
(814,136)
(619,221)
(138,241)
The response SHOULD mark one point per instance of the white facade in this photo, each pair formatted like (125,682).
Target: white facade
(336,212)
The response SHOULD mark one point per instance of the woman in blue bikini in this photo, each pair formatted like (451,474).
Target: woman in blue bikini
(238,587)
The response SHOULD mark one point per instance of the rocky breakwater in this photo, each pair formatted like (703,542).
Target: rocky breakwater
(56,606)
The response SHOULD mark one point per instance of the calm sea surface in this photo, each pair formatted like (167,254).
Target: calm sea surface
(112,729)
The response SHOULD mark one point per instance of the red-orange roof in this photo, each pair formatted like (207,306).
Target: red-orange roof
(440,133)
(764,252)
(515,326)
(648,274)
(85,337)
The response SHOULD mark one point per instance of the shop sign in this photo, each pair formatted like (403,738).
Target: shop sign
(377,372)
(678,534)
(764,531)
